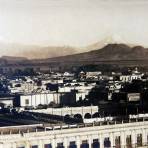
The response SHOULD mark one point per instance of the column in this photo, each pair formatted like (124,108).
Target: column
(40,144)
(91,111)
(27,144)
(101,140)
(134,138)
(90,141)
(53,143)
(7,145)
(111,137)
(2,145)
(144,137)
(83,112)
(123,141)
(65,143)
(13,145)
(78,139)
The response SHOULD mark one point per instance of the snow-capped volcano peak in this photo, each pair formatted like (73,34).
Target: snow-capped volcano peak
(115,38)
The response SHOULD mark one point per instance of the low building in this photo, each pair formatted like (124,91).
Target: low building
(61,98)
(34,100)
(93,75)
(133,97)
(6,101)
(135,75)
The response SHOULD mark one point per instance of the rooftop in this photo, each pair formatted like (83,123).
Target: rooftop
(22,129)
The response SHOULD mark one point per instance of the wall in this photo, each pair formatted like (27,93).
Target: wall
(79,135)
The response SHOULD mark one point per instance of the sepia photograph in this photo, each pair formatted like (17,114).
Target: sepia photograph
(73,73)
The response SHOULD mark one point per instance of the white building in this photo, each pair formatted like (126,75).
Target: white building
(123,135)
(81,88)
(41,98)
(63,98)
(71,111)
(136,75)
(133,96)
(93,75)
(7,101)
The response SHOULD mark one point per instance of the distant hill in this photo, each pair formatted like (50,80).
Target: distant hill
(11,58)
(110,52)
(33,51)
(44,52)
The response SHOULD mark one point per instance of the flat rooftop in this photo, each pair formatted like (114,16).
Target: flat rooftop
(26,118)
(37,128)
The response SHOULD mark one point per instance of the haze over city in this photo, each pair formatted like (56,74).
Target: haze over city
(76,23)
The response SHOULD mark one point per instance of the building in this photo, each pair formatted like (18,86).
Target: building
(135,75)
(133,97)
(70,111)
(33,100)
(93,75)
(6,101)
(121,135)
(61,98)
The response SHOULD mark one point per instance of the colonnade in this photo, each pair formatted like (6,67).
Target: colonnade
(124,135)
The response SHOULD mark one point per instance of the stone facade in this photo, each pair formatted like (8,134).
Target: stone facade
(116,135)
(70,111)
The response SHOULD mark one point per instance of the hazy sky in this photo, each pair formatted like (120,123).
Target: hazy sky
(73,22)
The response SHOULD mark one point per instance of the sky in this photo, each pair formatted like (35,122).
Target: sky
(73,22)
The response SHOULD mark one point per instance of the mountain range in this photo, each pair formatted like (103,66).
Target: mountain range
(44,52)
(110,52)
(33,51)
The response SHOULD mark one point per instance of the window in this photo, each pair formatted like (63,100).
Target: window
(60,145)
(95,143)
(26,101)
(47,146)
(84,141)
(128,141)
(84,144)
(139,140)
(34,146)
(117,142)
(107,142)
(72,144)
